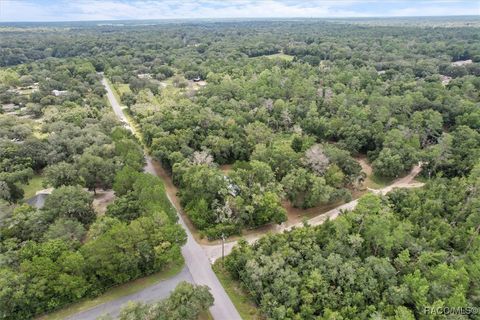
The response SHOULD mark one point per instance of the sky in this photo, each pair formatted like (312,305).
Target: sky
(83,10)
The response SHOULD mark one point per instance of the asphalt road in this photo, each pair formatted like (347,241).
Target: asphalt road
(196,259)
(156,292)
(115,105)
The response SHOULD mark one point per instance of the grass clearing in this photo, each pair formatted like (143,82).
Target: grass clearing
(239,296)
(281,56)
(33,185)
(376,182)
(122,88)
(205,316)
(37,130)
(372,181)
(116,292)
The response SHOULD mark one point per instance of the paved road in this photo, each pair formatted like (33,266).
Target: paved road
(215,251)
(115,105)
(196,260)
(156,292)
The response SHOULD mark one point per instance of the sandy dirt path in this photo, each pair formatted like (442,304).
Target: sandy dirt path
(196,260)
(215,251)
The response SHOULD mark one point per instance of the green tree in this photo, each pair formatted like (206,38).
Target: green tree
(428,125)
(304,189)
(61,174)
(128,98)
(124,180)
(125,208)
(70,202)
(65,229)
(400,152)
(279,155)
(96,172)
(186,302)
(388,163)
(203,182)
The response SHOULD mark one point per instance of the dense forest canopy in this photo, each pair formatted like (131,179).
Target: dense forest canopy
(301,97)
(57,124)
(390,258)
(249,118)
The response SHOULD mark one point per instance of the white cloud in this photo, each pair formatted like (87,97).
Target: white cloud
(63,10)
(435,11)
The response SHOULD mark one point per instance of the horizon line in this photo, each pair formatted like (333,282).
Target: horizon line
(247,18)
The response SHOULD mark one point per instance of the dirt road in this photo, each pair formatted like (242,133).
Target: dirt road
(215,251)
(198,268)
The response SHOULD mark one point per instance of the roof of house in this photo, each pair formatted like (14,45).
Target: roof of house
(38,201)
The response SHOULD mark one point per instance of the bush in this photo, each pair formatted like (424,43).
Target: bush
(217,231)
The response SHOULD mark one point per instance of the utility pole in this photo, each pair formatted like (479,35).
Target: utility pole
(223,247)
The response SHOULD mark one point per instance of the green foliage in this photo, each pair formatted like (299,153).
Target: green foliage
(203,182)
(218,231)
(26,223)
(280,156)
(61,174)
(200,213)
(455,154)
(223,204)
(399,153)
(186,302)
(124,180)
(128,98)
(257,202)
(70,202)
(66,230)
(125,252)
(9,77)
(304,189)
(125,208)
(50,276)
(151,196)
(96,171)
(388,258)
(344,90)
(130,152)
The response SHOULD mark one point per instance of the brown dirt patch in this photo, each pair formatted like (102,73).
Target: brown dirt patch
(101,200)
(226,168)
(366,167)
(296,215)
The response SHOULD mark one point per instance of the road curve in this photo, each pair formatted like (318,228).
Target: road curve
(196,259)
(215,251)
